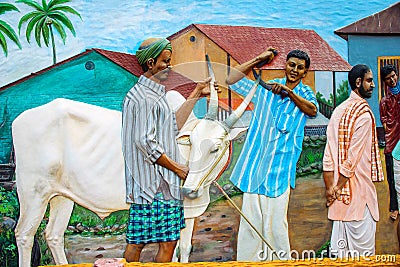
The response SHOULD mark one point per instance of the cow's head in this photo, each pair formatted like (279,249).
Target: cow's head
(210,145)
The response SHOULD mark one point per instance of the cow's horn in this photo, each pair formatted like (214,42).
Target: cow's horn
(236,114)
(213,105)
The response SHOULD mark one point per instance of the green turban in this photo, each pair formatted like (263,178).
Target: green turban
(152,48)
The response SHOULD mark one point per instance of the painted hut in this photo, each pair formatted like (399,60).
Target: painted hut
(95,76)
(233,45)
(375,41)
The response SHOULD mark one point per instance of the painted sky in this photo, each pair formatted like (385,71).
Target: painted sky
(122,25)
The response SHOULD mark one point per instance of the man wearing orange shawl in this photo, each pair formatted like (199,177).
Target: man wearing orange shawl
(351,164)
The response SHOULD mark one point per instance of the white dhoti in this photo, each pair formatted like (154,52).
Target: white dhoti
(355,238)
(396,170)
(269,216)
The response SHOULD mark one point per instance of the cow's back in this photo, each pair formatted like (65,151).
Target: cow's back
(72,149)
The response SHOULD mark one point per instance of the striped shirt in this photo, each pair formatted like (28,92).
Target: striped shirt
(149,129)
(267,162)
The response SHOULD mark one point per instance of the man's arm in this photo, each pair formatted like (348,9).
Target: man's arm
(181,170)
(145,138)
(383,112)
(242,70)
(332,191)
(328,173)
(355,150)
(304,105)
(202,89)
(329,191)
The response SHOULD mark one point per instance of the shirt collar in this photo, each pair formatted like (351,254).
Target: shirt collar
(299,85)
(355,96)
(152,85)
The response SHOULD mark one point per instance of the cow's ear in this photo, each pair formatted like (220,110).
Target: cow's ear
(235,133)
(183,139)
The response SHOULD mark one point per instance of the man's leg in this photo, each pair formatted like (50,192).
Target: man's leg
(269,216)
(361,234)
(133,234)
(396,172)
(165,251)
(248,243)
(393,204)
(338,244)
(354,237)
(275,224)
(132,252)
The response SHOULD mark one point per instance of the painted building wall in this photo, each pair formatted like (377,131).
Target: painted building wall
(366,50)
(105,86)
(191,47)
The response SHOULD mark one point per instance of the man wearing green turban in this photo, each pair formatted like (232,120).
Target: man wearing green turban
(152,168)
(151,48)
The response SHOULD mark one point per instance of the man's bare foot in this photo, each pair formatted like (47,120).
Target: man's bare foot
(394,214)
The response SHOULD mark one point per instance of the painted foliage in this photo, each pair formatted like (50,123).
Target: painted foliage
(85,52)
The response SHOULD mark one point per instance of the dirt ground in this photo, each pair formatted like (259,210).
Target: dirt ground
(216,230)
(214,239)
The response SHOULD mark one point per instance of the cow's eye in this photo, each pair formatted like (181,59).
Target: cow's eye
(215,148)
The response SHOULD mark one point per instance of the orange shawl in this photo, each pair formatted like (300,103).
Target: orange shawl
(346,129)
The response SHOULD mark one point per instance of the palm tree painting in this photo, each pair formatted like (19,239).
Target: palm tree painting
(44,19)
(6,30)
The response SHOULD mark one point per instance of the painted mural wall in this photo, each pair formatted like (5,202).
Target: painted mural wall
(372,48)
(121,26)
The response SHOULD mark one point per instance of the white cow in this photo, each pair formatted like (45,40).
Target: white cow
(68,151)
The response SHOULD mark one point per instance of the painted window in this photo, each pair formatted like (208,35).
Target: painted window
(383,61)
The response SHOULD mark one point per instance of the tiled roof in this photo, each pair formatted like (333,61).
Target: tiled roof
(385,22)
(127,61)
(245,42)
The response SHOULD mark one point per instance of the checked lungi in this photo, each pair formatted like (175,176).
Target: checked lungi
(160,221)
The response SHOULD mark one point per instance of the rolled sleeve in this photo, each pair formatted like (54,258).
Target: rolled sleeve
(347,168)
(327,162)
(152,156)
(242,86)
(308,94)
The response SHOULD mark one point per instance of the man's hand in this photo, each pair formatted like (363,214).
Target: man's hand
(330,196)
(242,70)
(279,89)
(394,214)
(182,171)
(265,57)
(203,88)
(304,105)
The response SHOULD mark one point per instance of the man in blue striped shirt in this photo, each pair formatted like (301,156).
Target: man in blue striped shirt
(152,169)
(266,167)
